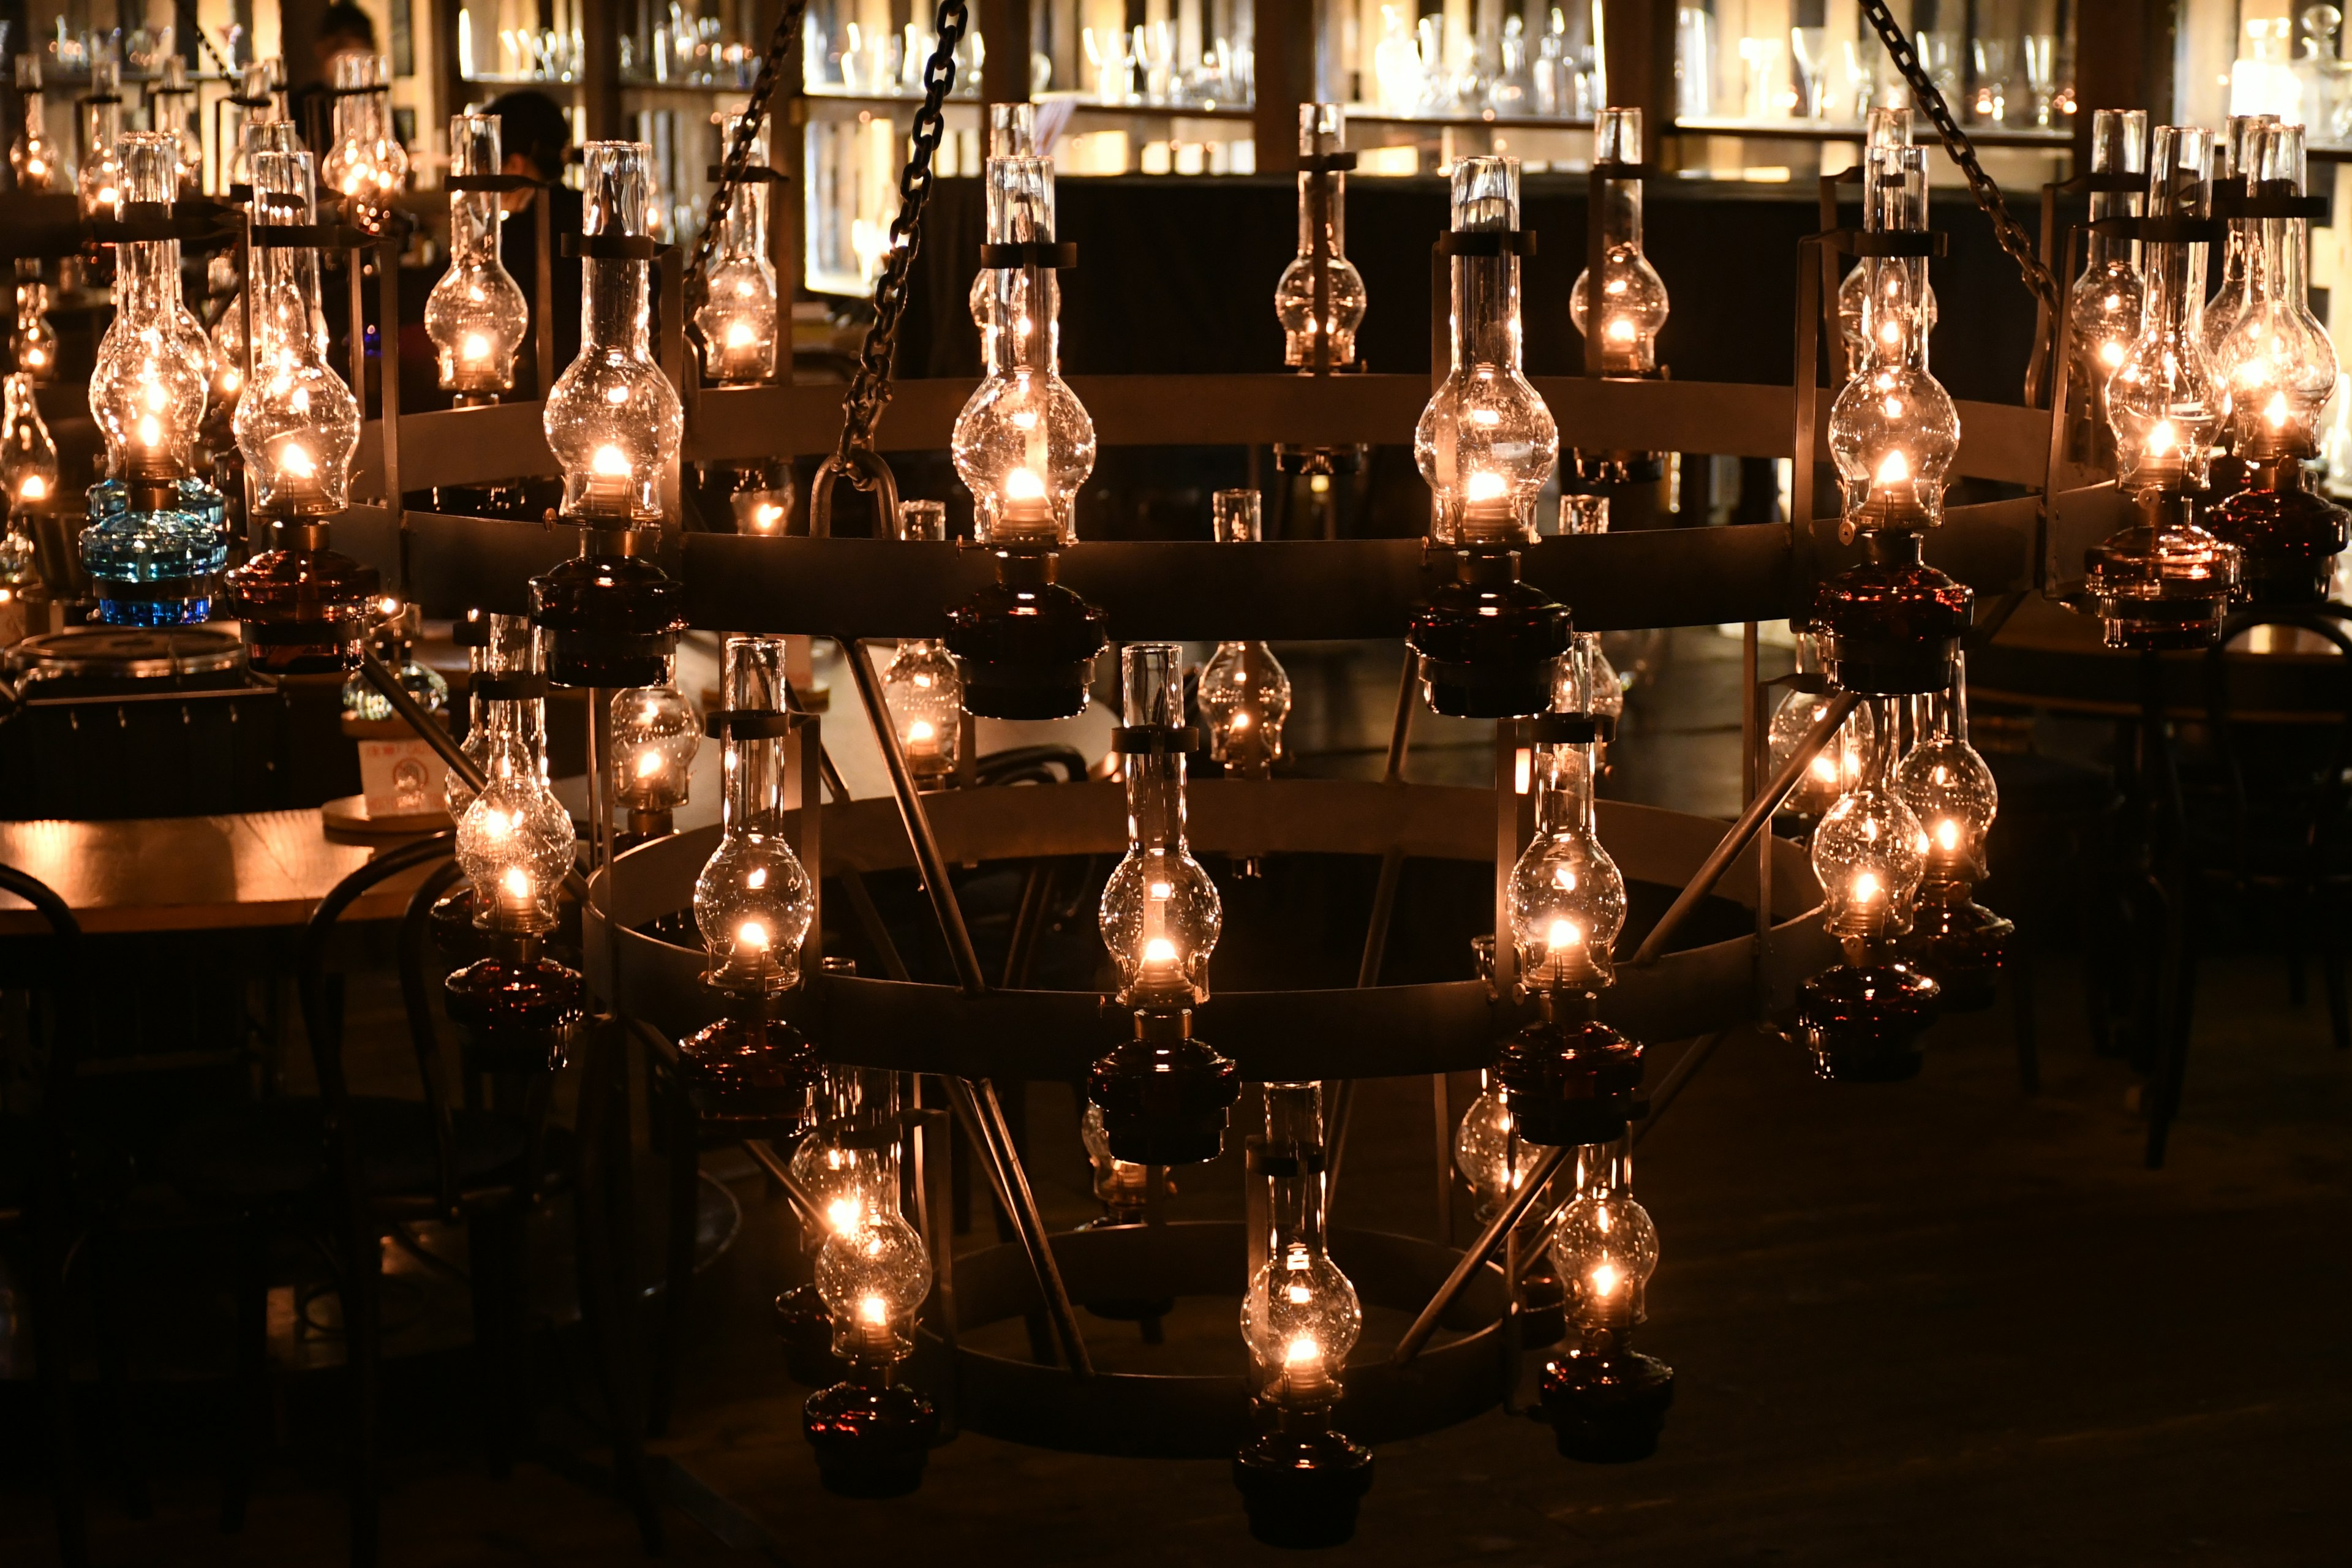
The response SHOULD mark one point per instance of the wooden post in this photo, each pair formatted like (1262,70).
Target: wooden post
(2130,69)
(600,43)
(1285,79)
(1004,72)
(1639,37)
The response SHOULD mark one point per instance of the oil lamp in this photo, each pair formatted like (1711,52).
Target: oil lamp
(99,182)
(1825,778)
(393,628)
(253,105)
(304,606)
(1566,1078)
(151,545)
(1322,132)
(2277,369)
(2165,581)
(476,315)
(2237,170)
(228,332)
(2104,307)
(1486,445)
(28,457)
(1886,129)
(1632,295)
(366,165)
(515,843)
(1300,1479)
(752,903)
(1861,1020)
(1893,622)
(506,695)
(921,686)
(1489,1155)
(1164,1095)
(737,318)
(1606,1401)
(32,156)
(872,1434)
(1023,446)
(1954,940)
(171,106)
(834,1164)
(615,423)
(1245,692)
(1586,681)
(654,736)
(33,345)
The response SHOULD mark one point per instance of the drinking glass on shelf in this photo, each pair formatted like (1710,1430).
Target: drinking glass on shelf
(1809,46)
(2042,75)
(1994,63)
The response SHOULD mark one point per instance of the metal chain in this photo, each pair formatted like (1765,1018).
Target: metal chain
(869,389)
(738,151)
(1924,94)
(185,11)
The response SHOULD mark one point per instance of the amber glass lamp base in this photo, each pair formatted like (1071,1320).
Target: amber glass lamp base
(1569,1080)
(305,607)
(1960,944)
(1487,641)
(2287,537)
(1607,1403)
(611,620)
(1302,1488)
(749,1077)
(1164,1096)
(1024,645)
(1893,621)
(2163,583)
(872,1437)
(804,1324)
(1863,1024)
(519,1014)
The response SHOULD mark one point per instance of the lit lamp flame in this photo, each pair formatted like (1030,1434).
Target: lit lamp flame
(610,462)
(1605,1279)
(475,346)
(2162,438)
(1895,469)
(2277,411)
(35,488)
(649,764)
(1865,887)
(1484,486)
(1948,835)
(1023,484)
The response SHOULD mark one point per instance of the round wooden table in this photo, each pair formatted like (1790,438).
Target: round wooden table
(193,873)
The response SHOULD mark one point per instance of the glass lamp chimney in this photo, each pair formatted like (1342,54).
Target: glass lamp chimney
(476,315)
(1632,296)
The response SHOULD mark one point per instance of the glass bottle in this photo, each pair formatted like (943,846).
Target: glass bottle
(752,900)
(33,346)
(656,733)
(99,179)
(1245,693)
(365,163)
(476,315)
(736,319)
(28,457)
(151,545)
(1606,1401)
(613,420)
(32,156)
(2165,581)
(1486,444)
(1164,1094)
(1634,297)
(1870,852)
(1012,133)
(1300,1480)
(1322,131)
(2104,307)
(1023,444)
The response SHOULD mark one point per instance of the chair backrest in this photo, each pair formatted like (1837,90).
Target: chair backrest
(1031,764)
(68,1022)
(2317,795)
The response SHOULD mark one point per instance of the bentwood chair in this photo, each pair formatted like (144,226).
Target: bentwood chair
(38,1201)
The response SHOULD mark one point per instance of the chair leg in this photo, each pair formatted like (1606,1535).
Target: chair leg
(43,1283)
(2174,1021)
(2331,970)
(248,1393)
(110,1286)
(493,1238)
(2019,963)
(604,1303)
(684,1195)
(362,1298)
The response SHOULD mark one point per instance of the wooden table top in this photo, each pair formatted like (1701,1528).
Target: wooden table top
(2048,657)
(193,873)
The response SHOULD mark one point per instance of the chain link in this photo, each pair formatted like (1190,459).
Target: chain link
(738,151)
(185,12)
(869,389)
(2011,235)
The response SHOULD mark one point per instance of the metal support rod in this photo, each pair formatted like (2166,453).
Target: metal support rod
(1759,812)
(428,729)
(805,1204)
(976,1103)
(1513,1210)
(928,858)
(1400,731)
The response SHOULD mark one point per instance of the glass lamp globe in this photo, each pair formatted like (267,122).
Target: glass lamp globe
(1869,851)
(656,733)
(925,695)
(1605,1250)
(1322,129)
(29,456)
(874,1275)
(366,165)
(1950,791)
(475,314)
(1568,897)
(751,905)
(33,344)
(296,423)
(147,388)
(736,319)
(32,156)
(1300,1320)
(1632,296)
(1488,1155)
(99,180)
(516,845)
